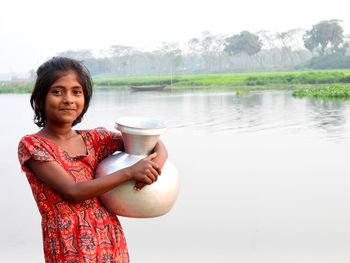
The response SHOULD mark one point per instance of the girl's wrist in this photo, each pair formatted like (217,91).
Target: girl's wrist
(126,173)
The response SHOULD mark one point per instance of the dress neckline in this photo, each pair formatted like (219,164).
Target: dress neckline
(80,132)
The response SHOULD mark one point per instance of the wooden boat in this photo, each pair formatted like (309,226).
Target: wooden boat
(148,88)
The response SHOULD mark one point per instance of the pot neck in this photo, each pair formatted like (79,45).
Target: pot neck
(139,144)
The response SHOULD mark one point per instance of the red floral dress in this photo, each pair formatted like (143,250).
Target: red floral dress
(75,232)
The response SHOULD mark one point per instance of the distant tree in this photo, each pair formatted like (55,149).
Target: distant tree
(98,65)
(194,46)
(121,50)
(346,44)
(343,48)
(288,43)
(173,53)
(192,54)
(31,74)
(268,40)
(208,47)
(324,37)
(206,50)
(245,47)
(82,54)
(283,49)
(245,42)
(123,58)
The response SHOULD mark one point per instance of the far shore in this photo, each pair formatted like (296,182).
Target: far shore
(207,88)
(214,82)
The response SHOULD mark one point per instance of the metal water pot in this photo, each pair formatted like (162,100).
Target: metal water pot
(140,135)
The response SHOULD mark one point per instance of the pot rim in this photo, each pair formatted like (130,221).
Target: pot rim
(140,125)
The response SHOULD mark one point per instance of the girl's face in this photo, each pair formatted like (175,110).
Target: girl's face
(64,101)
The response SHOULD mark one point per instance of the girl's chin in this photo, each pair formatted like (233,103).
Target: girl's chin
(62,121)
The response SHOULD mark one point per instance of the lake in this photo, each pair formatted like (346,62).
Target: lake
(264,178)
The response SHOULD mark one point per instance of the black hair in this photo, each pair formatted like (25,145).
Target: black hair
(47,74)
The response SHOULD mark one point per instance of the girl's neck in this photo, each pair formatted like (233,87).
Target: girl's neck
(57,132)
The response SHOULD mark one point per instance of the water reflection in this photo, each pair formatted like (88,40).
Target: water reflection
(329,116)
(251,112)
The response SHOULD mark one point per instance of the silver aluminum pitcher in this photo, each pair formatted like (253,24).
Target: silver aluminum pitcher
(140,136)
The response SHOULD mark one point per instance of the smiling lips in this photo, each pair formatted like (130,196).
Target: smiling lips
(67,109)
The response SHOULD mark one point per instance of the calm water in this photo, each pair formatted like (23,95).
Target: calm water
(264,178)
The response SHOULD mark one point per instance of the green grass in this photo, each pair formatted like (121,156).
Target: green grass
(249,79)
(16,89)
(189,80)
(331,92)
(217,81)
(308,77)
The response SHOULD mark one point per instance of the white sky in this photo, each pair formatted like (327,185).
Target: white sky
(34,30)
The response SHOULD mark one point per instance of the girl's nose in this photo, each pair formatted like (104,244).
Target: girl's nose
(68,99)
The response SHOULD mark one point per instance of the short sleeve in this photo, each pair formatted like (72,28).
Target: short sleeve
(30,147)
(108,142)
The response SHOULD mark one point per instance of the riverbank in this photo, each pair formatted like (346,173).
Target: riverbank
(243,79)
(216,82)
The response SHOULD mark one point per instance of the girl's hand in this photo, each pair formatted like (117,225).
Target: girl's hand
(145,171)
(162,155)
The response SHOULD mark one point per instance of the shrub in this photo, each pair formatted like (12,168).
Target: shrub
(331,92)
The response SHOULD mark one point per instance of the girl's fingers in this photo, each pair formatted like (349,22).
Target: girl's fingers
(151,172)
(151,156)
(148,180)
(139,185)
(157,168)
(154,174)
(151,176)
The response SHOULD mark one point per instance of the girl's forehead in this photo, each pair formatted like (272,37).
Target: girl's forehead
(69,75)
(70,72)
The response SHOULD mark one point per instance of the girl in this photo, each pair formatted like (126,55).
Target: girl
(59,163)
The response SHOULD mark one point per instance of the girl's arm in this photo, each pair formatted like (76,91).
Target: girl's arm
(54,175)
(162,156)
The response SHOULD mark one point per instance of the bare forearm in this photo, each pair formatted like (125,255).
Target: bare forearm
(89,189)
(54,175)
(162,153)
(59,180)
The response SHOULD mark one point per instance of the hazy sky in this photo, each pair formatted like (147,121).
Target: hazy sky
(34,30)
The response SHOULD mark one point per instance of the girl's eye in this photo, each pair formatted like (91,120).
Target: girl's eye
(77,92)
(56,92)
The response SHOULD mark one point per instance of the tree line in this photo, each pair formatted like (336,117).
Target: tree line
(212,53)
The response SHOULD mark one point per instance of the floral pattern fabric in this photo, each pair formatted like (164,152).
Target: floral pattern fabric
(75,232)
